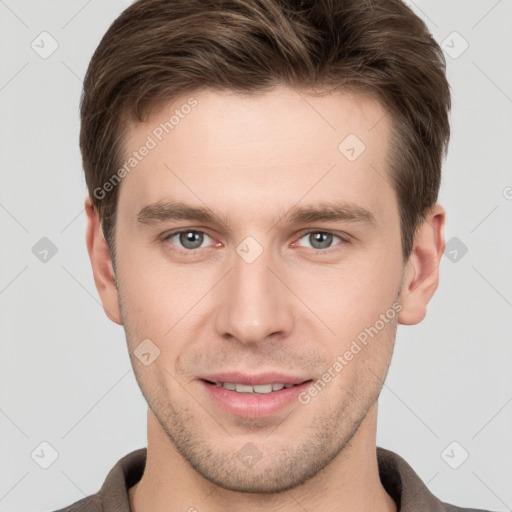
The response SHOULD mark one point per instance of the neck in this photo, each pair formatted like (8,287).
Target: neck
(349,483)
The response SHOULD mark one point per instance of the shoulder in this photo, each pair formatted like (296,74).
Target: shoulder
(452,508)
(407,489)
(113,495)
(89,504)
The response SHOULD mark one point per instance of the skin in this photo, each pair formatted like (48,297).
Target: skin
(294,309)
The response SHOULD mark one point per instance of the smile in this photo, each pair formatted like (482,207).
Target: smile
(245,388)
(253,396)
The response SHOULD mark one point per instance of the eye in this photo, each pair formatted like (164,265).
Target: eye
(187,239)
(191,239)
(319,240)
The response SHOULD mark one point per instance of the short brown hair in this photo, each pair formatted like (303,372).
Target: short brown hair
(157,50)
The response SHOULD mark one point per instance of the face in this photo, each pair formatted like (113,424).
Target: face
(259,257)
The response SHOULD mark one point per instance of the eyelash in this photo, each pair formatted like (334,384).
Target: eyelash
(168,236)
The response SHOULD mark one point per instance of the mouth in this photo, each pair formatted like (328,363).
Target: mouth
(253,396)
(262,389)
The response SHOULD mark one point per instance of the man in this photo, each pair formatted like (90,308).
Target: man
(263,178)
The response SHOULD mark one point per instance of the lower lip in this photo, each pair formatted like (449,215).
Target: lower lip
(253,405)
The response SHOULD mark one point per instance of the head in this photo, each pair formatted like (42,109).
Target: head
(263,178)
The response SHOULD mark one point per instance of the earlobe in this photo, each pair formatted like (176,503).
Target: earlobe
(101,262)
(421,276)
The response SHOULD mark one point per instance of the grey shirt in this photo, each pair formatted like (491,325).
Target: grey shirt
(397,477)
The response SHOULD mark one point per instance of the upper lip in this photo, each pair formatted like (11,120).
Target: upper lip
(254,379)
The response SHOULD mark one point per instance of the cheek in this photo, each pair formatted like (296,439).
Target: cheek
(349,297)
(161,300)
(146,293)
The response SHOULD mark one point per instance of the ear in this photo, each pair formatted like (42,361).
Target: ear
(422,268)
(101,263)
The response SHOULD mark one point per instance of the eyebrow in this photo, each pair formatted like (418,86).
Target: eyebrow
(159,212)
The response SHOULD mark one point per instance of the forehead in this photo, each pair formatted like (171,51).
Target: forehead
(271,150)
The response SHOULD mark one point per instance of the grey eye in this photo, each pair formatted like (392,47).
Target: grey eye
(189,239)
(320,239)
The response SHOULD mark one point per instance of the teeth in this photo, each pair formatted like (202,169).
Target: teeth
(242,388)
(263,388)
(260,388)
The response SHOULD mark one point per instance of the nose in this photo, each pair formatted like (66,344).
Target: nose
(254,303)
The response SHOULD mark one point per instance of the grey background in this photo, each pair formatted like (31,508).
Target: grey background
(65,373)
